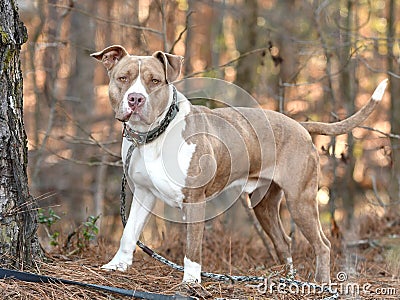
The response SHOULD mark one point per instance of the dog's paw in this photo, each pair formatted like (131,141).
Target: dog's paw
(193,288)
(290,271)
(120,262)
(115,266)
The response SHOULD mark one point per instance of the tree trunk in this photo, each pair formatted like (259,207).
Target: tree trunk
(348,82)
(80,92)
(19,245)
(395,105)
(246,37)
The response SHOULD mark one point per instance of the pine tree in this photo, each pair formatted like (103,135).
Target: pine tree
(19,245)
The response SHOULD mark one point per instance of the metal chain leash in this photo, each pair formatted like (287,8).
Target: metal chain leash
(122,208)
(242,278)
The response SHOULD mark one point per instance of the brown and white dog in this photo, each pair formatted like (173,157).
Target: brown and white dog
(198,152)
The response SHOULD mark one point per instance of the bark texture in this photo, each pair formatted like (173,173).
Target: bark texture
(19,245)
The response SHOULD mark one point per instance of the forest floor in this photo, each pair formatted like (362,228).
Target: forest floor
(366,268)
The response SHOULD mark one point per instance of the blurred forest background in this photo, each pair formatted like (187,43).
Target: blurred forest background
(311,60)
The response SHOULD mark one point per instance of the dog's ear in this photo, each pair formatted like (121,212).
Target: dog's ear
(110,56)
(172,64)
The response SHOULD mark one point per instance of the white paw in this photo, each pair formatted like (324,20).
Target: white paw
(192,271)
(120,262)
(115,266)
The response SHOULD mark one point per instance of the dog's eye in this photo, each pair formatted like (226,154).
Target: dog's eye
(123,79)
(155,81)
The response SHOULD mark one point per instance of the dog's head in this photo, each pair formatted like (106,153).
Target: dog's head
(138,88)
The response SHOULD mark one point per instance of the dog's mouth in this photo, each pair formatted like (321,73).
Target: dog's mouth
(124,116)
(133,115)
(136,116)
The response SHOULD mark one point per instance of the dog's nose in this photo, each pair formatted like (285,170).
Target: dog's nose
(136,100)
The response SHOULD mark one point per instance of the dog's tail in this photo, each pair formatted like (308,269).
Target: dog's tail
(351,122)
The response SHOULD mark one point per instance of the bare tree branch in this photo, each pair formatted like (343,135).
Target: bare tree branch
(82,141)
(89,163)
(53,98)
(227,64)
(374,188)
(380,203)
(388,135)
(90,136)
(182,32)
(364,61)
(89,14)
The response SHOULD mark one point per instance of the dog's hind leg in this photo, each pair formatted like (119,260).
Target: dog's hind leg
(305,215)
(303,207)
(267,213)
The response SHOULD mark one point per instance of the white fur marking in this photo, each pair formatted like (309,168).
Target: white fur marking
(185,155)
(192,271)
(136,87)
(380,90)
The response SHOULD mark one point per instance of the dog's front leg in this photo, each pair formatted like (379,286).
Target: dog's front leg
(142,204)
(194,213)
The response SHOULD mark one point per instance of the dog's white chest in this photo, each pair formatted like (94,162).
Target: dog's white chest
(162,166)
